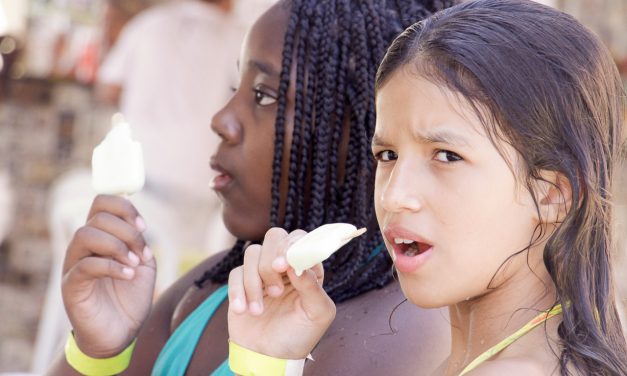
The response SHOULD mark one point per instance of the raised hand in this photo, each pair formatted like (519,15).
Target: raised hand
(271,310)
(108,278)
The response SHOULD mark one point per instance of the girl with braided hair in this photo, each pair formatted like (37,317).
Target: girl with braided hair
(294,153)
(499,128)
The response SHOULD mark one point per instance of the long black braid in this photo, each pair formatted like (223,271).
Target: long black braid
(337,45)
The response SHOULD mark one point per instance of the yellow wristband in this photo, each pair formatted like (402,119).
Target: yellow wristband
(89,366)
(246,362)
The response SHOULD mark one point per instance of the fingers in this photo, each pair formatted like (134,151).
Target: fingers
(252,282)
(118,206)
(237,295)
(263,272)
(113,225)
(90,268)
(114,229)
(273,249)
(314,300)
(279,264)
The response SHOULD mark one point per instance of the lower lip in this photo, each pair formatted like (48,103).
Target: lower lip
(409,264)
(220,182)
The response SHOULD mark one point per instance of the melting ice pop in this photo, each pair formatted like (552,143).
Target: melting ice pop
(117,163)
(319,244)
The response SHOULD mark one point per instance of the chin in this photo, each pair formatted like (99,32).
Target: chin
(424,297)
(243,227)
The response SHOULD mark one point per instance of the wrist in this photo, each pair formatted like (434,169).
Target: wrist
(98,351)
(91,366)
(246,362)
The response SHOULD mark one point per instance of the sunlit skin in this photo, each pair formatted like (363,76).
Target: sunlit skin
(441,181)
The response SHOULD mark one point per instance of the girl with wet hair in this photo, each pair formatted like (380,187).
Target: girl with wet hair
(294,153)
(499,125)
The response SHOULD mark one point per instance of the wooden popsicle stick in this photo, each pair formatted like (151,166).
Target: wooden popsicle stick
(355,234)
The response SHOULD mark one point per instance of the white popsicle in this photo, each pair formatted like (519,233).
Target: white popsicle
(319,244)
(117,163)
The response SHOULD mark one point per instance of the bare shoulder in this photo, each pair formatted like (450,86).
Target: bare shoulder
(374,335)
(183,296)
(513,366)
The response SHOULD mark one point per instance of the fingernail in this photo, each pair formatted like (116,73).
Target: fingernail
(279,263)
(140,224)
(238,305)
(133,259)
(128,271)
(274,290)
(256,308)
(147,254)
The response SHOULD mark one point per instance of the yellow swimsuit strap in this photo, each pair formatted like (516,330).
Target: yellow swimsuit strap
(542,317)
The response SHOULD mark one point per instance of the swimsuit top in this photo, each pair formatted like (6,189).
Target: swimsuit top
(542,317)
(177,352)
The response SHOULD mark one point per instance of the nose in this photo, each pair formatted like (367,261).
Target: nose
(226,124)
(399,189)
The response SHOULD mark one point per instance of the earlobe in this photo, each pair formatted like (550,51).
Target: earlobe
(554,197)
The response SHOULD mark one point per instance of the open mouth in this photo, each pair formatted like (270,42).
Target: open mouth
(410,248)
(222,179)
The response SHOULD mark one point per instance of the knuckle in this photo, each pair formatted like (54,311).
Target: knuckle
(251,251)
(129,208)
(137,239)
(98,219)
(275,233)
(112,267)
(234,273)
(83,233)
(119,247)
(99,200)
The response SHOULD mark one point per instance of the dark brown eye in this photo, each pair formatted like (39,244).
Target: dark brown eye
(263,99)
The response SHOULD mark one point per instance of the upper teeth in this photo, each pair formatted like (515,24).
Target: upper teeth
(402,241)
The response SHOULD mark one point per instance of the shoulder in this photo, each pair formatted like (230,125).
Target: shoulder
(514,366)
(174,295)
(380,333)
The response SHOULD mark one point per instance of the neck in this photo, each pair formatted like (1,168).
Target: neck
(479,323)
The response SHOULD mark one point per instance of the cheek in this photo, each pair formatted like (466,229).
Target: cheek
(381,178)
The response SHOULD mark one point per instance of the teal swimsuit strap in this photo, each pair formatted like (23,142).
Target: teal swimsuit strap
(177,352)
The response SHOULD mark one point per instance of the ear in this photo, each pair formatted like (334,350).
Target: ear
(554,194)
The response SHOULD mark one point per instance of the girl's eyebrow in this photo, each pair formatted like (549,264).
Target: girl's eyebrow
(442,136)
(378,141)
(263,67)
(438,136)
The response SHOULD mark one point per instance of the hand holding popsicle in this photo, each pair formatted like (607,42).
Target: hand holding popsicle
(109,272)
(272,309)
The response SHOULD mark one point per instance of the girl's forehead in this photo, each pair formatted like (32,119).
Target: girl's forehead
(264,41)
(417,98)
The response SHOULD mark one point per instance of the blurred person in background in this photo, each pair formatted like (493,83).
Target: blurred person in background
(168,71)
(117,13)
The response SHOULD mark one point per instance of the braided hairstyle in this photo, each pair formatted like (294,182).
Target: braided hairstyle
(337,46)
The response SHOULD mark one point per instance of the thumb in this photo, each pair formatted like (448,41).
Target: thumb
(314,300)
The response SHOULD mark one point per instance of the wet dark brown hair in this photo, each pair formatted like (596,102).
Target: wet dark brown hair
(552,91)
